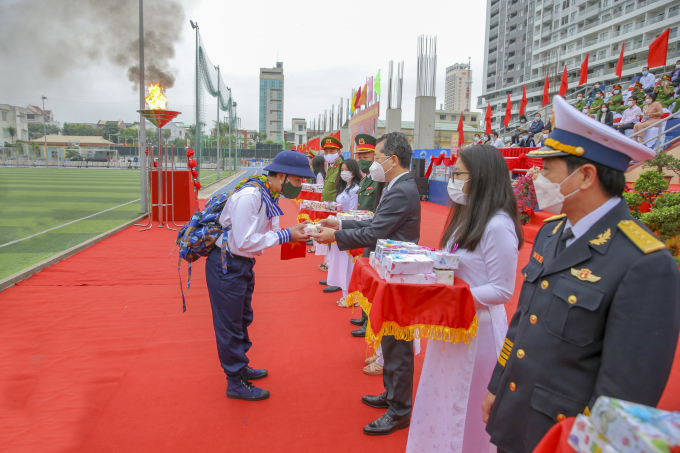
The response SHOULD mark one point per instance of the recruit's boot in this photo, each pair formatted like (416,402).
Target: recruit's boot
(242,389)
(253,374)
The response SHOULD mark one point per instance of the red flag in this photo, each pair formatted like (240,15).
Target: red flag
(658,50)
(619,64)
(546,95)
(487,119)
(523,104)
(461,135)
(315,145)
(357,103)
(336,135)
(564,83)
(292,250)
(508,112)
(584,71)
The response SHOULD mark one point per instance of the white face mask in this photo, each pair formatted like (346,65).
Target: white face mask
(330,158)
(585,111)
(346,176)
(648,101)
(631,103)
(548,193)
(604,110)
(455,190)
(580,98)
(677,66)
(378,172)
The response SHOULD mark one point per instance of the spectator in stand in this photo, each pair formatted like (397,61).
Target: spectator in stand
(675,78)
(522,127)
(544,136)
(537,125)
(497,142)
(538,138)
(615,101)
(606,116)
(580,102)
(596,105)
(651,113)
(590,95)
(525,140)
(630,116)
(647,80)
(665,92)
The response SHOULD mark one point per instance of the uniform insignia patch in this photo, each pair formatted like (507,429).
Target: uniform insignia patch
(602,238)
(538,257)
(645,241)
(362,141)
(585,275)
(557,227)
(555,217)
(505,352)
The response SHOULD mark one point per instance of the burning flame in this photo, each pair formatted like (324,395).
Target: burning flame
(155,100)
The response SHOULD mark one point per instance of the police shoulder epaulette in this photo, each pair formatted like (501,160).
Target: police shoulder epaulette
(555,217)
(646,242)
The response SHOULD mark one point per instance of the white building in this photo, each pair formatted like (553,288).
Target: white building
(271,101)
(458,87)
(300,130)
(525,39)
(16,117)
(36,115)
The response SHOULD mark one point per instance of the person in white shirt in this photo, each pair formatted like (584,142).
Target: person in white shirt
(497,142)
(484,222)
(250,224)
(629,117)
(647,80)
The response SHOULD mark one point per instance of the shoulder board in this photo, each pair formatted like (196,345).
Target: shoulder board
(646,242)
(555,217)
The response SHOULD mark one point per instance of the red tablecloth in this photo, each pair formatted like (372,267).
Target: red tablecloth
(515,152)
(439,312)
(555,440)
(313,216)
(306,195)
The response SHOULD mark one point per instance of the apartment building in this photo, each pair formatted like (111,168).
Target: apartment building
(271,101)
(458,87)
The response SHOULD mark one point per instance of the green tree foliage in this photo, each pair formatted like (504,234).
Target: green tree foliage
(665,222)
(69,153)
(649,185)
(634,200)
(110,129)
(664,161)
(36,130)
(12,132)
(78,129)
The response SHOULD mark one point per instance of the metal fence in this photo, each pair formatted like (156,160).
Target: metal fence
(180,164)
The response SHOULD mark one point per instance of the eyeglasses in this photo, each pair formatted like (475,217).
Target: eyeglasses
(455,174)
(382,157)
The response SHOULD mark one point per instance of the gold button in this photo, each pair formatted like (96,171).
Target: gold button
(572,300)
(525,276)
(561,417)
(544,284)
(533,319)
(513,387)
(520,353)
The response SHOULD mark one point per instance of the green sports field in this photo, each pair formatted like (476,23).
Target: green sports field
(33,200)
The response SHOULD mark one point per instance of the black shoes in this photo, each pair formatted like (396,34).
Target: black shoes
(385,425)
(310,242)
(332,289)
(322,282)
(357,321)
(361,332)
(379,401)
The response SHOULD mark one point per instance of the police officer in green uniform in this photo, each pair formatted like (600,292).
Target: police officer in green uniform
(599,310)
(580,102)
(615,100)
(596,105)
(665,92)
(638,95)
(331,148)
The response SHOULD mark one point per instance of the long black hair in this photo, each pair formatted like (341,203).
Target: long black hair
(352,166)
(318,165)
(489,191)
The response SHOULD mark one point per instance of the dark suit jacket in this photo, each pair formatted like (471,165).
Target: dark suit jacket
(600,318)
(609,119)
(397,217)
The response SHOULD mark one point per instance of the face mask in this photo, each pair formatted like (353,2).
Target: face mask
(598,96)
(546,135)
(346,176)
(604,110)
(585,111)
(677,66)
(364,166)
(597,86)
(648,101)
(537,118)
(617,91)
(522,121)
(378,172)
(330,158)
(288,190)
(644,72)
(455,190)
(580,98)
(548,193)
(631,103)
(476,138)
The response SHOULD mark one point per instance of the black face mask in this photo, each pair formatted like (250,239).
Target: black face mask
(364,166)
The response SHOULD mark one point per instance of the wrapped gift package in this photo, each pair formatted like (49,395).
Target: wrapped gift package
(631,427)
(310,229)
(312,187)
(584,437)
(420,279)
(444,260)
(346,216)
(408,264)
(371,259)
(444,277)
(331,206)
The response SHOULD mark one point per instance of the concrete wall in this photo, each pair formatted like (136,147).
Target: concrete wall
(393,120)
(423,133)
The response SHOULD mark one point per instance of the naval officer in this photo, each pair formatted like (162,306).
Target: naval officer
(599,310)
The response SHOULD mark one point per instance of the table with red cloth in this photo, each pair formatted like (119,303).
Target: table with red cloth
(411,311)
(515,152)
(307,195)
(555,440)
(313,216)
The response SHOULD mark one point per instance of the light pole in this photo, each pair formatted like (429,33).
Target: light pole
(219,94)
(44,125)
(197,126)
(144,171)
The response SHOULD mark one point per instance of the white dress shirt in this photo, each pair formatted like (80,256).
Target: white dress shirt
(630,114)
(251,231)
(319,178)
(499,143)
(647,81)
(348,199)
(583,225)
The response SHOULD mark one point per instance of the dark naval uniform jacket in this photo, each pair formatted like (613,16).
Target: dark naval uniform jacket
(366,194)
(600,318)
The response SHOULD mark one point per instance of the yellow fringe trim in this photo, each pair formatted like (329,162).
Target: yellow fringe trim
(408,333)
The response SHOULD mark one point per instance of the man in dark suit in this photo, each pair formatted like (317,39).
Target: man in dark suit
(397,217)
(599,311)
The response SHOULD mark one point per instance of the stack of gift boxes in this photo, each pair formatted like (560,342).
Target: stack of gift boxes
(318,188)
(619,426)
(331,206)
(406,262)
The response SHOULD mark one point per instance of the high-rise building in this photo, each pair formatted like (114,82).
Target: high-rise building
(527,39)
(271,101)
(458,91)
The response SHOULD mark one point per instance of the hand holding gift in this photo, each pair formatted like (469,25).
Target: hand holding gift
(325,236)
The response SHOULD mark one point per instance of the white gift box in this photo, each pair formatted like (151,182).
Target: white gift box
(419,279)
(444,260)
(584,437)
(444,276)
(408,264)
(310,229)
(371,259)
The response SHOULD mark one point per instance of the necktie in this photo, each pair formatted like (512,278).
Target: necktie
(566,235)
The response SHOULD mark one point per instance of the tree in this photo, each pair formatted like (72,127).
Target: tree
(78,129)
(664,160)
(37,151)
(71,153)
(12,132)
(109,130)
(37,131)
(178,142)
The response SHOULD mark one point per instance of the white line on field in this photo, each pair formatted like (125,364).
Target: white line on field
(69,223)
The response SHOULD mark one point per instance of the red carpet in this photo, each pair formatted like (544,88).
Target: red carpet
(98,357)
